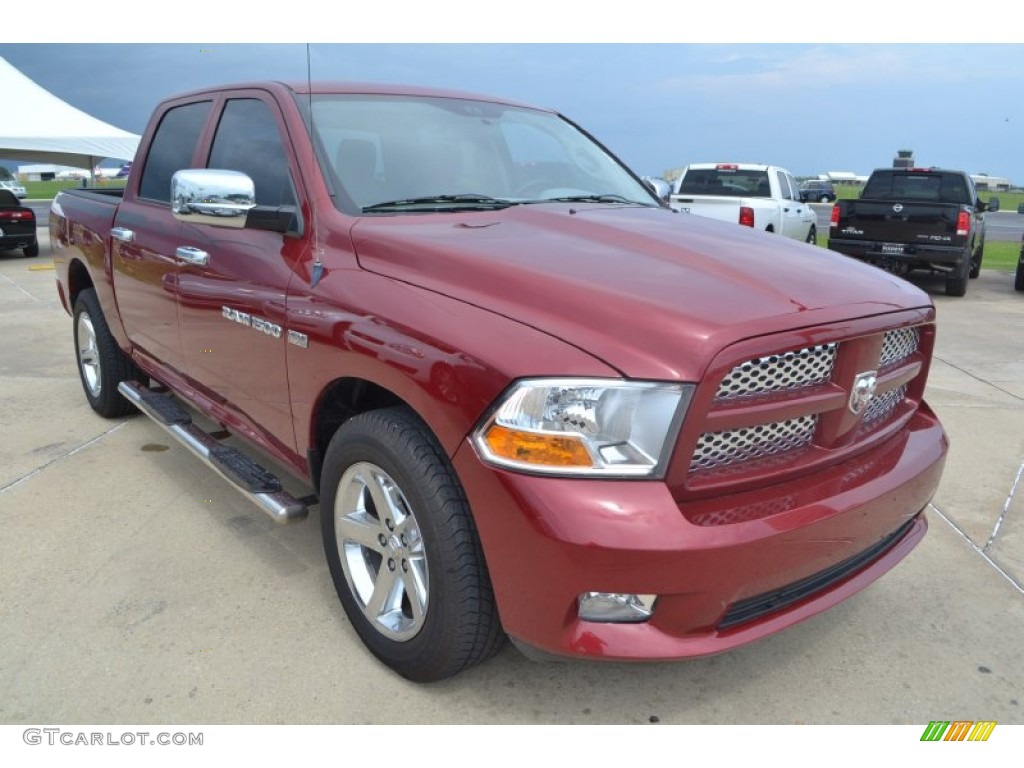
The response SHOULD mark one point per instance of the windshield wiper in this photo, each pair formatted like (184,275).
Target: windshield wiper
(463,201)
(605,198)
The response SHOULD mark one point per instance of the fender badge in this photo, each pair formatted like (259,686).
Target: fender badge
(863,391)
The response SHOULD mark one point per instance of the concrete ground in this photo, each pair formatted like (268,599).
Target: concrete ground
(137,587)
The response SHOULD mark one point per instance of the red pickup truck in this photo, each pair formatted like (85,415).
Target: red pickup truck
(530,400)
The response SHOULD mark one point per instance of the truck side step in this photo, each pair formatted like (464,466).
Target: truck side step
(255,482)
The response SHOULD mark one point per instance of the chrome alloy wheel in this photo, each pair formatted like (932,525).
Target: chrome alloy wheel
(89,355)
(381,551)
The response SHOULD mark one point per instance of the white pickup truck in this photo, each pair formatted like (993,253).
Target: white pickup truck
(764,197)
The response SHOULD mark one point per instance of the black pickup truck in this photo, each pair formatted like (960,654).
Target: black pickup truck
(915,218)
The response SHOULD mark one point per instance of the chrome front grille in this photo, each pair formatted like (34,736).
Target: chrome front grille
(719,449)
(790,377)
(898,345)
(779,373)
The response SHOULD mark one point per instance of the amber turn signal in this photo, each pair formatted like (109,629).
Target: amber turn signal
(534,448)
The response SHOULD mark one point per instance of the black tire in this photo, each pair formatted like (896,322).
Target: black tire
(31,251)
(823,199)
(956,283)
(976,261)
(101,363)
(1018,281)
(812,235)
(441,616)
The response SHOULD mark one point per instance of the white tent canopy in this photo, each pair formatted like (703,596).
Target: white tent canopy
(40,127)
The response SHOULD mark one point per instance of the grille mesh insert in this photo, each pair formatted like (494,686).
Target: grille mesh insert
(778,373)
(719,449)
(899,345)
(883,405)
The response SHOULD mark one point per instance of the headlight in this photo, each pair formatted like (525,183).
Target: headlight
(585,426)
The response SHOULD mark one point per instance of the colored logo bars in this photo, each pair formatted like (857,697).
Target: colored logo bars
(958,730)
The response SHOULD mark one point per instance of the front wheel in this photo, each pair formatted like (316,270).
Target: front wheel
(403,550)
(812,235)
(101,363)
(823,199)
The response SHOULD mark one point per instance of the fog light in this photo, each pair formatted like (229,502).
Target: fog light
(615,607)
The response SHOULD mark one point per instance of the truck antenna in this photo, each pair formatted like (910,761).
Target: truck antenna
(318,266)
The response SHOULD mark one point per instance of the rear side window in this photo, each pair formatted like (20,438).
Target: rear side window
(248,140)
(171,149)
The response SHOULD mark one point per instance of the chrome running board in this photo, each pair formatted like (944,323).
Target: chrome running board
(255,482)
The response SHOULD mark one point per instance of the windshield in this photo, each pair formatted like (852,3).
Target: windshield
(388,153)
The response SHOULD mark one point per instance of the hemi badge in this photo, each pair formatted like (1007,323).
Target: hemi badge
(298,339)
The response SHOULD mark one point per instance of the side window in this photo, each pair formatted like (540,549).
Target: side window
(171,149)
(783,186)
(794,188)
(248,140)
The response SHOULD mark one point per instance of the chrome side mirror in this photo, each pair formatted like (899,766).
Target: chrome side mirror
(661,188)
(210,196)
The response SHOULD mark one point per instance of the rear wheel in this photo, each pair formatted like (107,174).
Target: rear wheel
(823,199)
(976,261)
(31,251)
(101,363)
(812,235)
(1018,282)
(956,282)
(403,550)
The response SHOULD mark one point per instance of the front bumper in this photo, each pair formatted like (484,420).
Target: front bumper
(547,540)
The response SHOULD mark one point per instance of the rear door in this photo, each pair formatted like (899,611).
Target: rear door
(145,236)
(232,298)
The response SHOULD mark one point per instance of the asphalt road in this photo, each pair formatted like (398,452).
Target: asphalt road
(137,587)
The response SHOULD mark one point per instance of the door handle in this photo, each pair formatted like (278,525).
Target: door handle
(122,234)
(193,255)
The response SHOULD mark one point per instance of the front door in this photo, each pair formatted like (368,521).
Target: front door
(233,307)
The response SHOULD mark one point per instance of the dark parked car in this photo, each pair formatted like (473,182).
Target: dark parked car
(13,186)
(1018,282)
(17,225)
(822,191)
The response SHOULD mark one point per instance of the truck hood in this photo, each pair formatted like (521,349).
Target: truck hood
(654,294)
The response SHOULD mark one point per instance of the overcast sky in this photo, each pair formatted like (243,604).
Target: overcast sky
(811,107)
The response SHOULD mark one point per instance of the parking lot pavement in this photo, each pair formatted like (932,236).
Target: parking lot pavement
(138,588)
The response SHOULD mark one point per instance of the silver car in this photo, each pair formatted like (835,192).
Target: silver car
(15,187)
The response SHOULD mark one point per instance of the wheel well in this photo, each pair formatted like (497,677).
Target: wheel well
(770,228)
(78,281)
(342,400)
